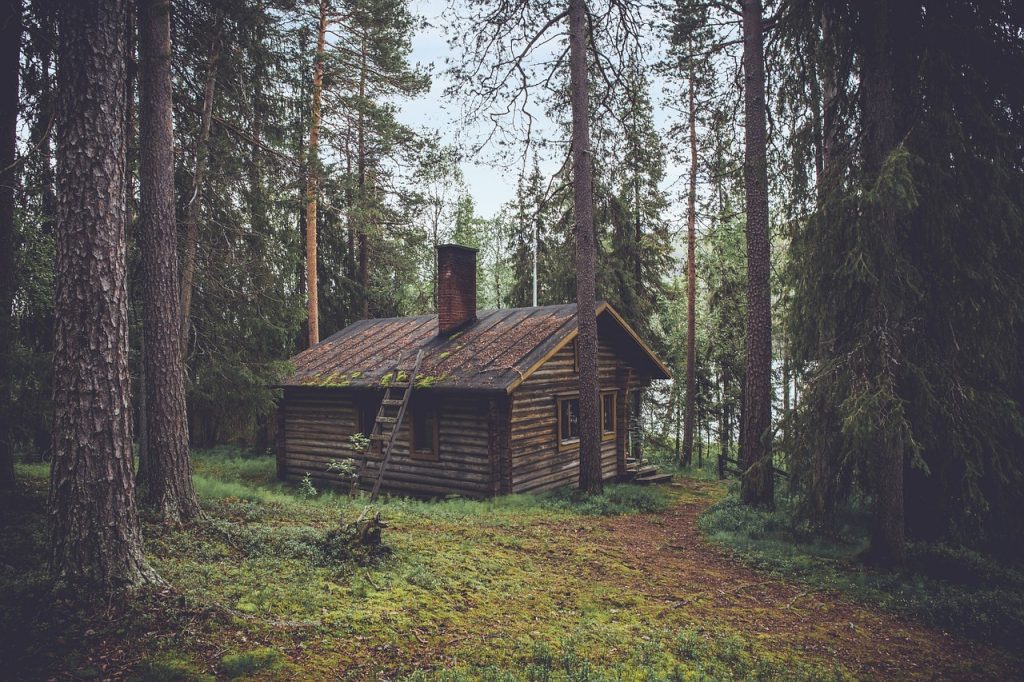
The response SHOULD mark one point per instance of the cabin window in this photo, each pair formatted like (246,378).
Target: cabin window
(424,432)
(568,422)
(608,404)
(367,416)
(367,406)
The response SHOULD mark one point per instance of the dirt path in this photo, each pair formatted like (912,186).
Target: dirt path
(686,572)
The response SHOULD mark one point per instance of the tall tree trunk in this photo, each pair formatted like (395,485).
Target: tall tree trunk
(586,250)
(312,176)
(888,542)
(725,428)
(95,536)
(195,201)
(364,192)
(757,488)
(691,283)
(677,417)
(785,379)
(165,485)
(829,100)
(10,66)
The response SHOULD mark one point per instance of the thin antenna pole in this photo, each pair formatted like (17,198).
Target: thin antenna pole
(536,247)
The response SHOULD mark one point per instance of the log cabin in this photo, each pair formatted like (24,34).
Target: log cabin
(492,410)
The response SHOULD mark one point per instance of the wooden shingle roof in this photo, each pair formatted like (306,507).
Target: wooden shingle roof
(496,352)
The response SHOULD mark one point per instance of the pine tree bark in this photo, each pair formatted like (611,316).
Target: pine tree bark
(691,283)
(364,194)
(830,96)
(10,64)
(312,181)
(586,250)
(195,201)
(165,485)
(94,528)
(725,430)
(888,537)
(757,487)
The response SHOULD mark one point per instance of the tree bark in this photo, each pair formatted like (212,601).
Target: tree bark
(830,95)
(888,541)
(757,488)
(586,250)
(165,485)
(312,175)
(195,202)
(691,284)
(95,536)
(725,428)
(364,193)
(10,66)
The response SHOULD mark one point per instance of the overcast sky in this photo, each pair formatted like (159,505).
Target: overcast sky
(490,186)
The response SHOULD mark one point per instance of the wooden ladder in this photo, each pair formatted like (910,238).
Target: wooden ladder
(386,425)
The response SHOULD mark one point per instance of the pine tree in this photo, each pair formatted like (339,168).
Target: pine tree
(95,534)
(758,476)
(10,58)
(165,484)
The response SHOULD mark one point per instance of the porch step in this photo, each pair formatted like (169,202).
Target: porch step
(647,469)
(651,479)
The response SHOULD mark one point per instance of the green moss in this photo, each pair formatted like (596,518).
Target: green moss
(170,667)
(248,662)
(386,379)
(426,381)
(332,380)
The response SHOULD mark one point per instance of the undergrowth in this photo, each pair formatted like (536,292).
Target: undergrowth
(950,587)
(267,585)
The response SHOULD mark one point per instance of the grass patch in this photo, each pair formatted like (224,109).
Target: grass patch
(521,587)
(952,588)
(248,662)
(690,653)
(170,668)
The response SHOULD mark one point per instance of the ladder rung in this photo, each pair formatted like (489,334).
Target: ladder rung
(387,420)
(399,384)
(380,436)
(391,402)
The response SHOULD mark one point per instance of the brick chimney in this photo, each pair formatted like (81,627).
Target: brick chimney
(456,287)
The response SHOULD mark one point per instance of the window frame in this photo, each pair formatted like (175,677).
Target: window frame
(566,443)
(605,433)
(367,408)
(434,453)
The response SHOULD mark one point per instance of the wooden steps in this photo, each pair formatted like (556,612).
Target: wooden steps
(653,479)
(644,474)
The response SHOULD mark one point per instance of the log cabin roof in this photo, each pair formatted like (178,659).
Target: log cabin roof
(495,352)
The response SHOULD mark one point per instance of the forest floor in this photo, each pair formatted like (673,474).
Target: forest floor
(625,587)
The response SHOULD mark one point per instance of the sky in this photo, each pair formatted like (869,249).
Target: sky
(489,186)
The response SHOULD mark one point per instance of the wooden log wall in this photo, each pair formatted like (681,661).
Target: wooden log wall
(537,463)
(318,422)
